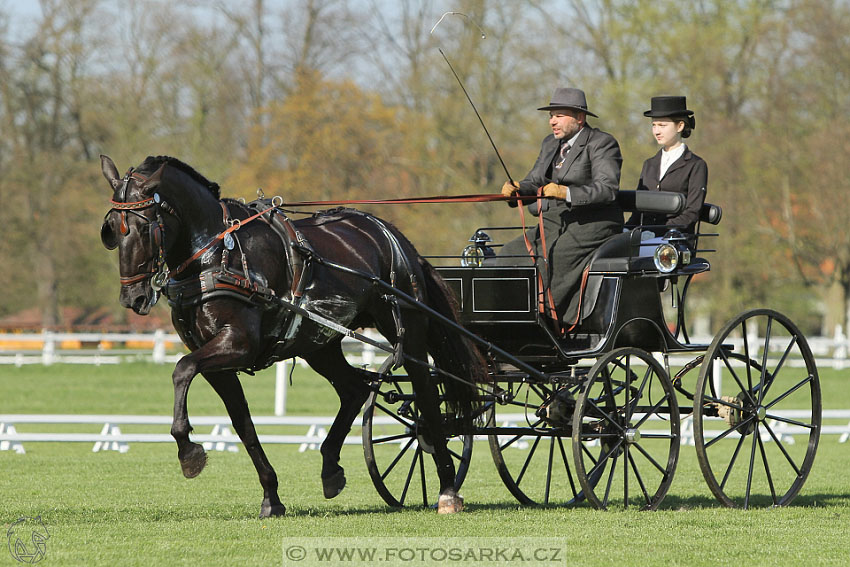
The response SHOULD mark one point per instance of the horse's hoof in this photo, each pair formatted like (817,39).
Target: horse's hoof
(268,510)
(334,484)
(450,503)
(194,461)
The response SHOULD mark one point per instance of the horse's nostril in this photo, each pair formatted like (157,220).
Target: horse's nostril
(139,304)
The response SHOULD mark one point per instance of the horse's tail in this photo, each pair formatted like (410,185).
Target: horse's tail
(450,350)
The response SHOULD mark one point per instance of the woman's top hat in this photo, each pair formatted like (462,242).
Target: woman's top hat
(670,107)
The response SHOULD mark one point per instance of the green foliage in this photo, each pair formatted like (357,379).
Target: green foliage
(343,102)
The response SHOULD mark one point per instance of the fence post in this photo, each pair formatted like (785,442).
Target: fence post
(839,350)
(159,346)
(48,349)
(280,388)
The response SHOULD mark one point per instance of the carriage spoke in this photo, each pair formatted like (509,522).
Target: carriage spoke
(789,421)
(752,466)
(515,438)
(782,448)
(394,415)
(650,459)
(549,471)
(390,438)
(605,415)
(610,480)
(639,395)
(416,455)
(626,455)
(607,387)
(567,467)
(732,461)
(397,459)
(776,370)
(528,460)
(455,455)
(714,400)
(799,385)
(744,389)
(747,355)
(730,430)
(589,455)
(640,479)
(767,470)
(766,348)
(651,411)
(598,465)
(424,482)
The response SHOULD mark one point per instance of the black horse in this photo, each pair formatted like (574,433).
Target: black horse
(230,270)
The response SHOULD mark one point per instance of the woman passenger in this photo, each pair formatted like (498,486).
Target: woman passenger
(674,167)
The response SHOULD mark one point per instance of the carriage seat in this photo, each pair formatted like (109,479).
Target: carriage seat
(631,252)
(621,252)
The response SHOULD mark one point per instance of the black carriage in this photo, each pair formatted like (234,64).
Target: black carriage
(600,413)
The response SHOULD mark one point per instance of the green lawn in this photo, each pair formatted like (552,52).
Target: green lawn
(137,509)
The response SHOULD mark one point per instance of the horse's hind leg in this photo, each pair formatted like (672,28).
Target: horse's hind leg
(428,404)
(229,389)
(351,386)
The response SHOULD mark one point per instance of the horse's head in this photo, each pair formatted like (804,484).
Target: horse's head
(138,224)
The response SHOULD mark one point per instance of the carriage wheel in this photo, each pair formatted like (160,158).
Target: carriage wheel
(398,450)
(626,424)
(529,451)
(747,405)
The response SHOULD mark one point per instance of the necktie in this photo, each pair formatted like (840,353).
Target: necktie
(562,157)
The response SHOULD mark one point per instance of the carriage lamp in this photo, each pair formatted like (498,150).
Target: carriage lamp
(475,253)
(666,258)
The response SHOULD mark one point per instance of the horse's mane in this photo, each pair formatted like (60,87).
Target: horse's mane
(152,163)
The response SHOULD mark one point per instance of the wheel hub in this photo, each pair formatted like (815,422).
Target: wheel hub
(632,436)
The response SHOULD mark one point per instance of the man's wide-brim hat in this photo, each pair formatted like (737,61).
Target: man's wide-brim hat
(566,97)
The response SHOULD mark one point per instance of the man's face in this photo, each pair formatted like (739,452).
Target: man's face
(566,122)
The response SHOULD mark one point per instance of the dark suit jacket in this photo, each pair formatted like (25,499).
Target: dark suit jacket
(688,175)
(591,171)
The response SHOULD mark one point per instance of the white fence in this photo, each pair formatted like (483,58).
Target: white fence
(221,437)
(160,347)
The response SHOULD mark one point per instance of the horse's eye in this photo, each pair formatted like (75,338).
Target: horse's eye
(108,235)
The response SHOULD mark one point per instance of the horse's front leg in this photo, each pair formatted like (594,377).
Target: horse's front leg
(229,348)
(229,389)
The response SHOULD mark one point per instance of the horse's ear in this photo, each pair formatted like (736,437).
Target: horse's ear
(110,172)
(154,180)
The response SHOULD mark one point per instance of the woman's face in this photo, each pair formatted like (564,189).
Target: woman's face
(667,132)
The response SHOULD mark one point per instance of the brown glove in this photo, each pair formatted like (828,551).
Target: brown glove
(554,190)
(509,188)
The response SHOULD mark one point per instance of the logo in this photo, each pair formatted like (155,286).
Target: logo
(28,539)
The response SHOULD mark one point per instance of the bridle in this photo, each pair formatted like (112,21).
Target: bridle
(158,272)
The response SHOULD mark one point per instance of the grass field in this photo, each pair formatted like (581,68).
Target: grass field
(137,509)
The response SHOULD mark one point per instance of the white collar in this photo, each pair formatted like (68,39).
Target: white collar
(572,141)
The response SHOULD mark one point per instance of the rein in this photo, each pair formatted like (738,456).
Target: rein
(235,224)
(476,198)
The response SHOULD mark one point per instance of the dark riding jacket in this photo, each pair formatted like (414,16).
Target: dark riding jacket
(574,230)
(687,175)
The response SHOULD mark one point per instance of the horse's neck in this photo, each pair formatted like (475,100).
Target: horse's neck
(201,220)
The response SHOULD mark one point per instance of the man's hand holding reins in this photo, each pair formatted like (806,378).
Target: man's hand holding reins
(510,188)
(555,191)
